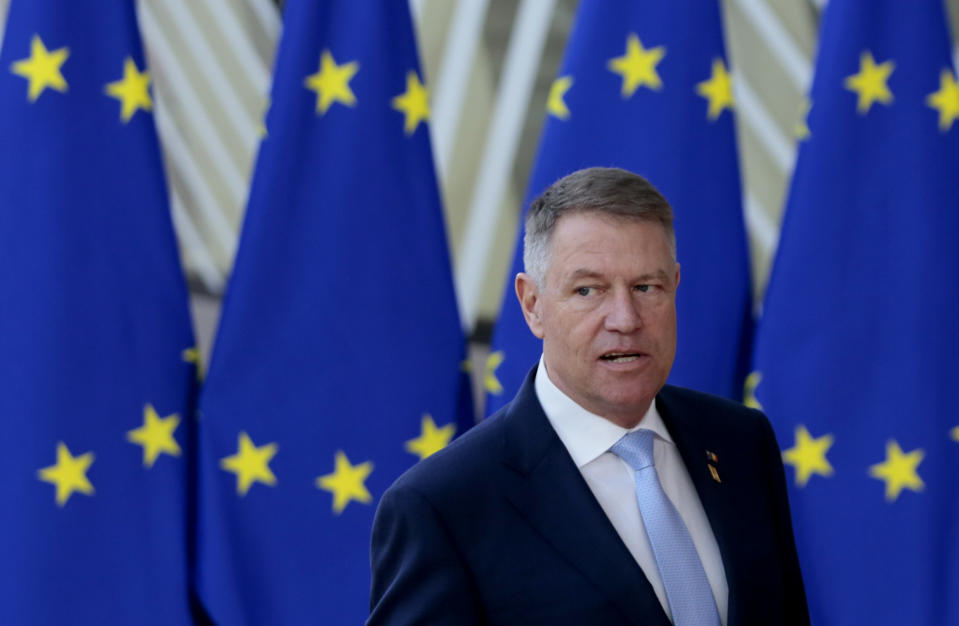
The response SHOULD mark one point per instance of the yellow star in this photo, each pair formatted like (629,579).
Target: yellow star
(954,433)
(749,390)
(192,355)
(808,456)
(250,464)
(69,474)
(946,100)
(870,83)
(332,83)
(555,105)
(133,90)
(898,470)
(802,126)
(42,69)
(431,439)
(156,435)
(346,482)
(718,89)
(490,381)
(413,103)
(637,66)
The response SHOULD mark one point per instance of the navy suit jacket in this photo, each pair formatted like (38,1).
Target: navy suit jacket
(501,528)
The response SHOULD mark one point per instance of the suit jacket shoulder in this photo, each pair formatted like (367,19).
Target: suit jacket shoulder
(460,465)
(707,411)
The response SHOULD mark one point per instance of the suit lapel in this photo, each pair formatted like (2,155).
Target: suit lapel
(552,496)
(695,439)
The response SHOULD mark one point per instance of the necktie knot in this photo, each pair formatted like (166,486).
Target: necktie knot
(636,448)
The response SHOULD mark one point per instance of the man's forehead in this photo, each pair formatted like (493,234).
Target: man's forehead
(575,224)
(594,233)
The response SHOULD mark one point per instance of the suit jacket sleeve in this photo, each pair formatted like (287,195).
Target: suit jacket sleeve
(418,575)
(794,600)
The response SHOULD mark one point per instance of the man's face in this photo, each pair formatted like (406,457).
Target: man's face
(606,313)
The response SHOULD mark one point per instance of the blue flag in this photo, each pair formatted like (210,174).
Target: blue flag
(645,86)
(338,362)
(856,350)
(95,387)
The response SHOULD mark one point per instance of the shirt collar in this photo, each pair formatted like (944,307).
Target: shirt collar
(586,435)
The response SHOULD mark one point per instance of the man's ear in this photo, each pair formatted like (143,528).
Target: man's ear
(528,294)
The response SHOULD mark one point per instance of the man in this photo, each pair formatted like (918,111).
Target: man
(599,495)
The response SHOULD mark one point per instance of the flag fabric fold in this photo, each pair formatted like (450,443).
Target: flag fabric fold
(96,376)
(645,86)
(855,352)
(338,362)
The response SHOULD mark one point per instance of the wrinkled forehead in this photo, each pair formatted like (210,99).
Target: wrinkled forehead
(610,245)
(608,217)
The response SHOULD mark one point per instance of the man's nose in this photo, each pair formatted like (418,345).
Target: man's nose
(623,314)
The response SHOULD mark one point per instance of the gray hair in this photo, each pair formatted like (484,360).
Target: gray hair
(606,190)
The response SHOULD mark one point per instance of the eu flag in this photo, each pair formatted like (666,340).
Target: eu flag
(95,387)
(645,86)
(856,350)
(338,363)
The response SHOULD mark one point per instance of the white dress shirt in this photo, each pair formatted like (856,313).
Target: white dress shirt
(588,438)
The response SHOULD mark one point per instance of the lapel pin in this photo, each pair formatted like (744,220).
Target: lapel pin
(711,456)
(714,473)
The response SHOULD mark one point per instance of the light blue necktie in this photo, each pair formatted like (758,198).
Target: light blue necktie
(687,588)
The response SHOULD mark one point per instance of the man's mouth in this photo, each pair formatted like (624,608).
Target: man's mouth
(621,357)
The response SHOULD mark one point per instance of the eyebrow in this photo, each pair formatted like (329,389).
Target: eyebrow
(588,273)
(584,273)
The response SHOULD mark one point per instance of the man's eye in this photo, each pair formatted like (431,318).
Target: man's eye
(584,291)
(643,288)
